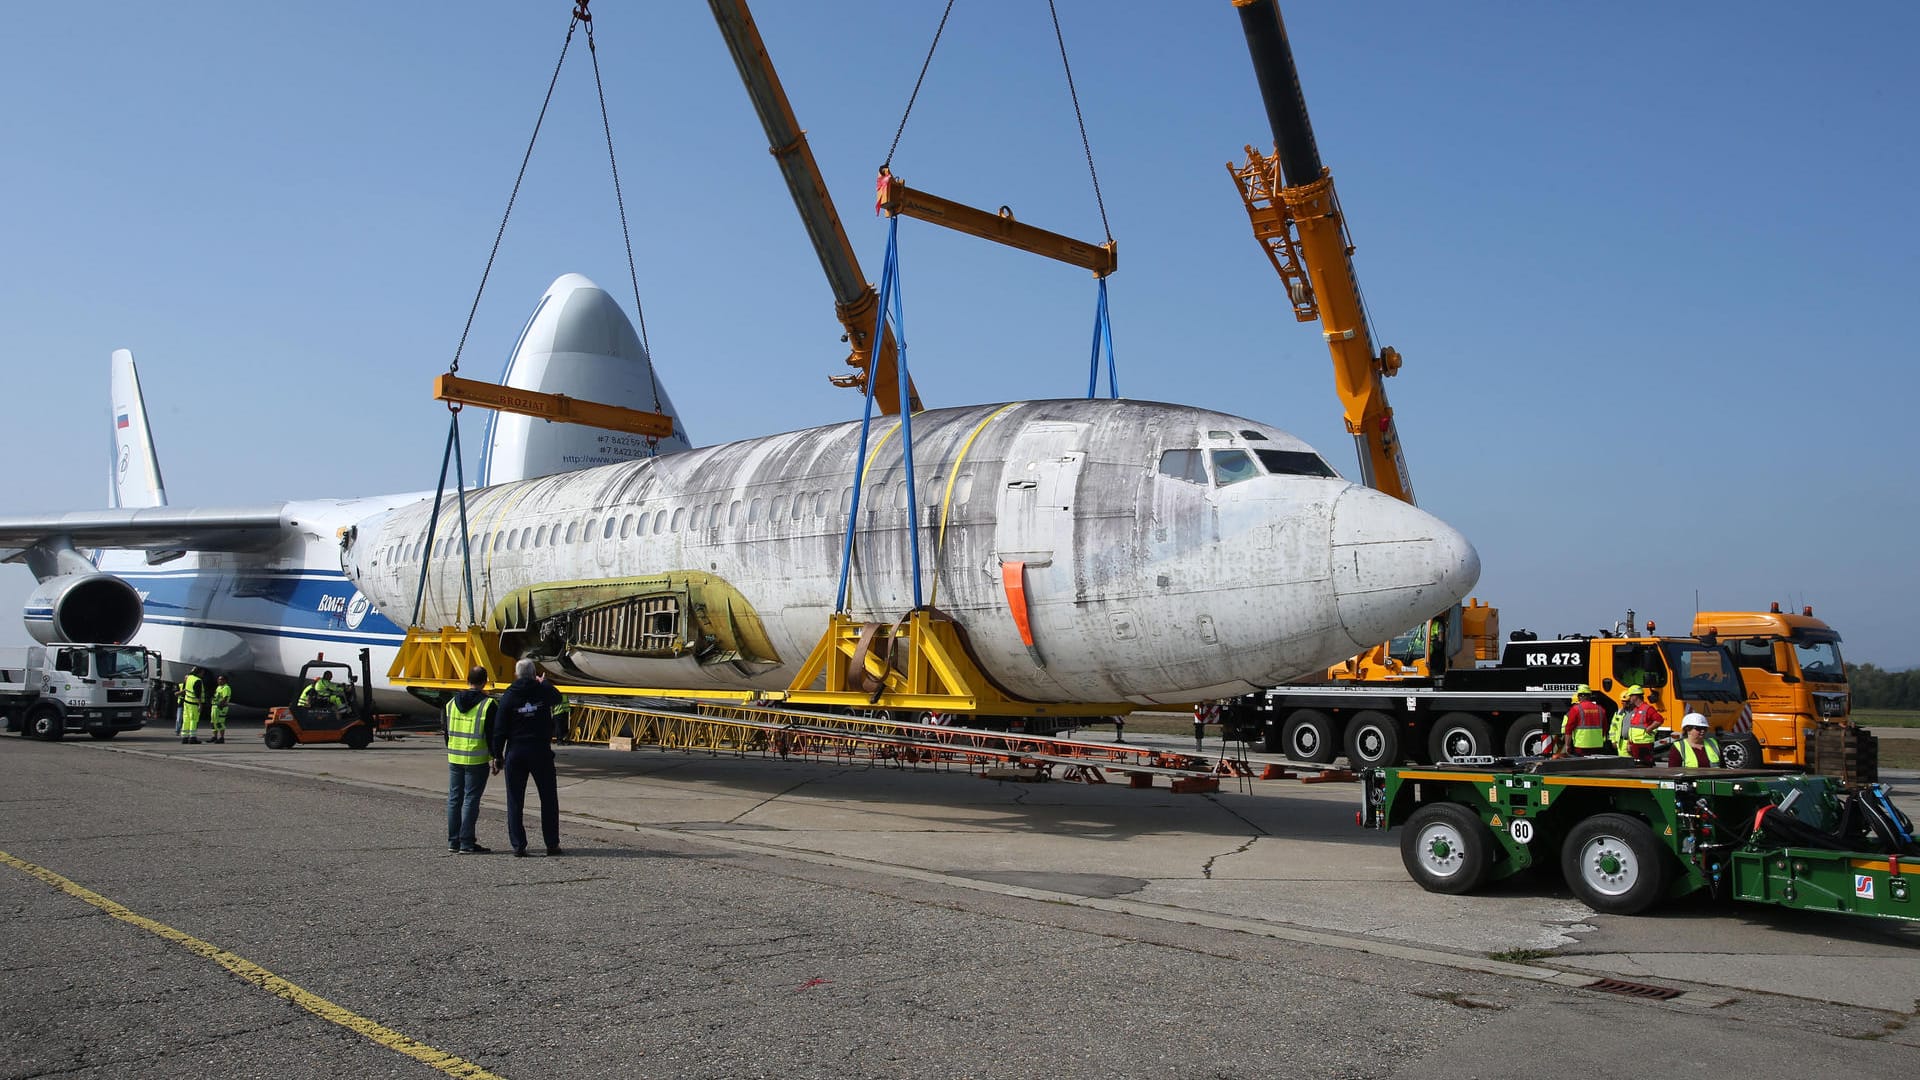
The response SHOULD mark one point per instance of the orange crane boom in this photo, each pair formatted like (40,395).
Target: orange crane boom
(855,301)
(1296,217)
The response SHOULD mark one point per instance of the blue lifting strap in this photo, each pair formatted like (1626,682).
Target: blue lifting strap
(890,291)
(452,454)
(1102,336)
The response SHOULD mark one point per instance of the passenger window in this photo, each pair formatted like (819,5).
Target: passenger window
(540,537)
(526,537)
(799,505)
(679,513)
(963,489)
(1183,465)
(733,513)
(606,531)
(754,510)
(626,526)
(573,530)
(659,522)
(1233,466)
(779,508)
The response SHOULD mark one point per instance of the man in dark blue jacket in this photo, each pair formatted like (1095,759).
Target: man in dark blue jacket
(523,736)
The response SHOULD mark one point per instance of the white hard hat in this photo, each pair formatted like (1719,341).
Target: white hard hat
(1693,719)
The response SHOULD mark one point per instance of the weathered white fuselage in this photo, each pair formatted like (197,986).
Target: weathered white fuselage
(1164,558)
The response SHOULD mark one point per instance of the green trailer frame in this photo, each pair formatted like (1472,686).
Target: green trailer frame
(1627,838)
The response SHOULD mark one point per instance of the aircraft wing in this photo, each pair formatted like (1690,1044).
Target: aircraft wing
(153,528)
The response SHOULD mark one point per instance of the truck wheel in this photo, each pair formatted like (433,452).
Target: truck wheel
(358,737)
(1529,738)
(278,737)
(1614,864)
(1460,735)
(45,721)
(1309,737)
(1446,848)
(102,733)
(1373,740)
(1741,752)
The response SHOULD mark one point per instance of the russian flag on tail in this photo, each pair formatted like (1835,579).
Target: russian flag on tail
(121,421)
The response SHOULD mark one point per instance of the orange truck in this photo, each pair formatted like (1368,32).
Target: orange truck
(1793,672)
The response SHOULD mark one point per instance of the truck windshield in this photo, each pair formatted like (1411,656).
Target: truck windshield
(1703,672)
(1819,656)
(120,663)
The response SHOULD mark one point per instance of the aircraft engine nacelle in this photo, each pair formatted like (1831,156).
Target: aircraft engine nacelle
(83,607)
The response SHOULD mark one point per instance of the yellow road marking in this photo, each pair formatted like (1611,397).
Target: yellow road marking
(262,978)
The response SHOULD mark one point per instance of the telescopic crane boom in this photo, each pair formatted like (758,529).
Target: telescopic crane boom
(855,301)
(1297,218)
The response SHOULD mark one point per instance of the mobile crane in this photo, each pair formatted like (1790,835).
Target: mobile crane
(1296,216)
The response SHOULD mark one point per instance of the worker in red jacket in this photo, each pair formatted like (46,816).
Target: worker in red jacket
(1585,730)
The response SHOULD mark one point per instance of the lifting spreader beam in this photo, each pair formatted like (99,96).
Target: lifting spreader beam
(546,406)
(891,196)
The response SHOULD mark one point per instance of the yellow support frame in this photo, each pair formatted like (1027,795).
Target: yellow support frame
(929,670)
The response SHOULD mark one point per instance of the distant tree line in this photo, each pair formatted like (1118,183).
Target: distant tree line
(1872,688)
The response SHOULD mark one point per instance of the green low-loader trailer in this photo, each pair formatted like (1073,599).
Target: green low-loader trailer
(1627,838)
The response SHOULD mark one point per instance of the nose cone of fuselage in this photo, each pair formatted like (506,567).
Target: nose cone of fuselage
(1394,565)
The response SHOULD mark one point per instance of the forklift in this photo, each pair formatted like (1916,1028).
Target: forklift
(292,724)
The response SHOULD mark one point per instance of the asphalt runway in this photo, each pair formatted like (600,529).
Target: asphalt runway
(182,911)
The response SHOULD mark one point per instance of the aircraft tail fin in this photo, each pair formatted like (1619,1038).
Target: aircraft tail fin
(134,480)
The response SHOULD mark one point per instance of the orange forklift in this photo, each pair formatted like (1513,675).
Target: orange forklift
(292,724)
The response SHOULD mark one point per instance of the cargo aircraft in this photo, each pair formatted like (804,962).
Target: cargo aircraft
(1092,550)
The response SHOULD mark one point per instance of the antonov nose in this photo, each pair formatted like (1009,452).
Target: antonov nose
(1394,565)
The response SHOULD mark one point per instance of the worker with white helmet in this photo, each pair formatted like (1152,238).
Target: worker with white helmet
(1697,747)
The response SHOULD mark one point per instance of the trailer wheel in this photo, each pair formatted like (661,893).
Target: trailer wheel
(1309,737)
(45,721)
(1741,752)
(1373,740)
(1614,864)
(1530,738)
(1446,848)
(278,737)
(1460,735)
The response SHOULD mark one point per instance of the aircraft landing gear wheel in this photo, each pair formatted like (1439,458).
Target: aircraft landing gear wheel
(1460,735)
(1446,848)
(278,737)
(45,722)
(1309,737)
(358,737)
(1373,740)
(1614,864)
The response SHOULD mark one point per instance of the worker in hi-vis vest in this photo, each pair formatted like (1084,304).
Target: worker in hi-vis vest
(1697,748)
(1585,729)
(469,724)
(193,698)
(1642,727)
(217,711)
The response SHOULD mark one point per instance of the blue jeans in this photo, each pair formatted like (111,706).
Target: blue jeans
(465,784)
(537,762)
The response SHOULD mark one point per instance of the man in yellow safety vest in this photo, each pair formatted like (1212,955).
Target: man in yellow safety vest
(469,724)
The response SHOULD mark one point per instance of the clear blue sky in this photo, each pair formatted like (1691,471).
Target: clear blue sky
(1652,271)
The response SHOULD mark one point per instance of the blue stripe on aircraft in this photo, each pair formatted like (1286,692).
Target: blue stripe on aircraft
(301,602)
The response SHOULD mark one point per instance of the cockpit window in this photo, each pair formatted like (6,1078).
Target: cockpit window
(1183,465)
(1295,463)
(1253,436)
(1232,466)
(1216,434)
